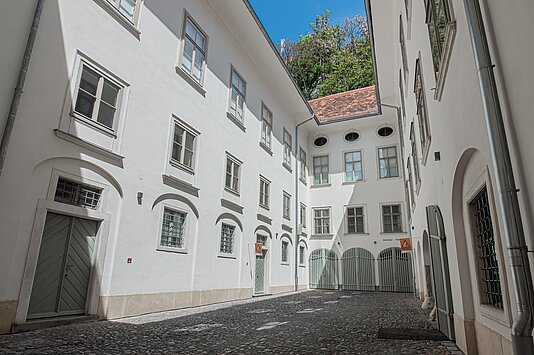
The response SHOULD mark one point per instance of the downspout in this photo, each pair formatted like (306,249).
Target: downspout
(508,200)
(15,101)
(297,202)
(406,197)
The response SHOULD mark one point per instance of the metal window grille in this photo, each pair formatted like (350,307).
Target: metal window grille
(74,193)
(227,239)
(391,215)
(387,159)
(285,247)
(320,170)
(173,229)
(355,218)
(301,255)
(485,240)
(321,221)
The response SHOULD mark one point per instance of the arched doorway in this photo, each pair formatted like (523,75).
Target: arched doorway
(323,269)
(395,271)
(358,270)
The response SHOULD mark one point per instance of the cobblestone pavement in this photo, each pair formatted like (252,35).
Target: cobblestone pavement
(314,322)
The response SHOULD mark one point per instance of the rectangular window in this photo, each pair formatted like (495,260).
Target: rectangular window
(194,51)
(264,192)
(321,220)
(301,255)
(391,218)
(424,129)
(173,229)
(183,145)
(98,98)
(437,19)
(285,252)
(128,8)
(302,165)
(232,174)
(303,215)
(402,42)
(415,157)
(488,265)
(77,194)
(288,148)
(355,220)
(237,96)
(410,183)
(403,102)
(387,161)
(321,173)
(227,239)
(287,205)
(266,126)
(353,166)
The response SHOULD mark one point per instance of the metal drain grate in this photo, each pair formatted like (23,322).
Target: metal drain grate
(410,334)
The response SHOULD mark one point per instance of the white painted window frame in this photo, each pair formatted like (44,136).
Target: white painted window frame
(286,205)
(363,216)
(324,208)
(190,130)
(239,164)
(189,75)
(345,180)
(265,194)
(399,167)
(321,183)
(159,247)
(394,203)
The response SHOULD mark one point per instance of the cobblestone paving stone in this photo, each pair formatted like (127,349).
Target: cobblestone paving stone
(302,323)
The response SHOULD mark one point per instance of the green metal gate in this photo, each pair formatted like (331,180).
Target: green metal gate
(323,269)
(358,270)
(63,269)
(395,270)
(259,282)
(440,272)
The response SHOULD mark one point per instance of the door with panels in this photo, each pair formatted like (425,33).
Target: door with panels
(323,269)
(64,266)
(260,267)
(395,271)
(358,270)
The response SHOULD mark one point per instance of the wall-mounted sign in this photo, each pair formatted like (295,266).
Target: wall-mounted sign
(259,249)
(406,245)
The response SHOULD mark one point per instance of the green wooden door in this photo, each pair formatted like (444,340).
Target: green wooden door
(358,270)
(63,267)
(395,271)
(323,269)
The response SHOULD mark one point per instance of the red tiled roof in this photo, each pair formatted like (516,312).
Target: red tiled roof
(349,104)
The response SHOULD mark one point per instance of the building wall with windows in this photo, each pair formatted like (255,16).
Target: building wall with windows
(163,154)
(448,160)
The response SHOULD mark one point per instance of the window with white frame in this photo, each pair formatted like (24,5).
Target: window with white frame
(286,205)
(266,126)
(237,96)
(321,221)
(303,215)
(77,194)
(288,148)
(391,218)
(264,192)
(387,162)
(302,252)
(420,100)
(403,101)
(438,17)
(173,229)
(194,50)
(321,173)
(302,156)
(415,157)
(183,145)
(402,42)
(227,239)
(233,167)
(355,220)
(285,252)
(353,166)
(98,98)
(410,182)
(127,8)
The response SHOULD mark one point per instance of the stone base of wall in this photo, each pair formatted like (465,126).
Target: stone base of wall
(111,307)
(475,338)
(8,310)
(281,289)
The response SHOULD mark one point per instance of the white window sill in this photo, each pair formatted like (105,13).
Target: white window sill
(266,148)
(352,182)
(265,207)
(389,178)
(191,81)
(302,265)
(285,263)
(233,192)
(355,234)
(236,121)
(287,166)
(172,250)
(227,256)
(90,146)
(181,166)
(93,124)
(127,24)
(322,236)
(318,186)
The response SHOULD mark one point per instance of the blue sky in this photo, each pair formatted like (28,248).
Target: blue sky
(291,18)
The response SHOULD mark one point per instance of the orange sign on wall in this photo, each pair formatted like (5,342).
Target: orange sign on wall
(406,245)
(259,249)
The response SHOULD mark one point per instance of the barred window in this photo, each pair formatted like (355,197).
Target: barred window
(227,239)
(391,217)
(173,229)
(301,255)
(355,220)
(387,160)
(320,170)
(488,271)
(77,194)
(321,218)
(285,252)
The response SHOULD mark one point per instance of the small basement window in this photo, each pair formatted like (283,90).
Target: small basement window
(77,194)
(320,141)
(385,131)
(352,137)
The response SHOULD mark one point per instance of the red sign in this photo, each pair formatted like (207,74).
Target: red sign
(259,249)
(406,245)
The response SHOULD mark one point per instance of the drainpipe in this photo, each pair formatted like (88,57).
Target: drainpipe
(406,197)
(508,200)
(15,101)
(297,202)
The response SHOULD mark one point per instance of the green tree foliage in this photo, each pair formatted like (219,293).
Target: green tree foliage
(331,58)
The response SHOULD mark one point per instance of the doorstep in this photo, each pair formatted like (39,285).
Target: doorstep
(35,324)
